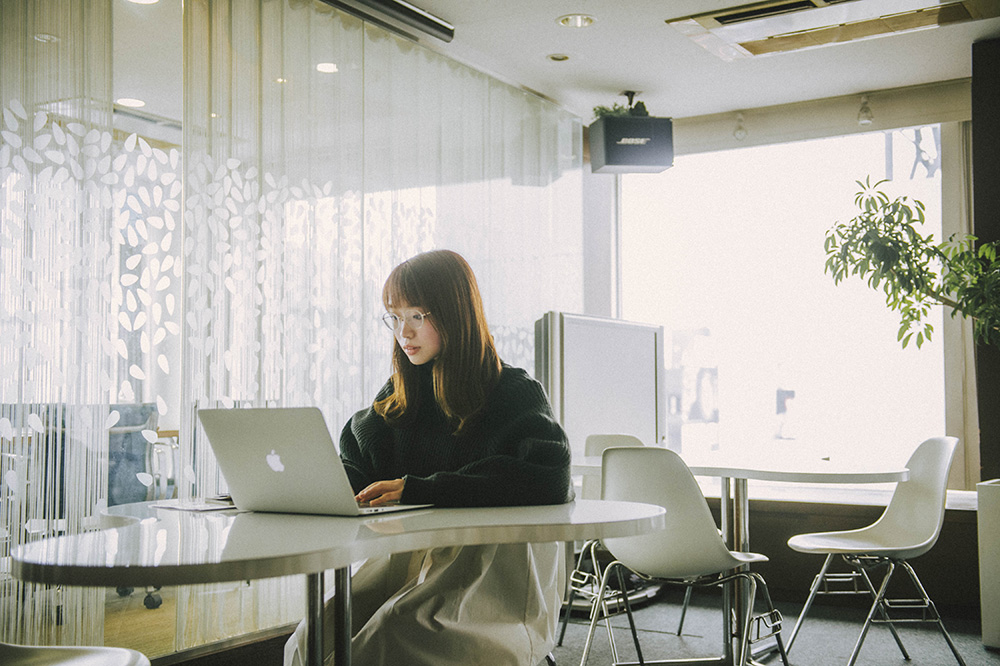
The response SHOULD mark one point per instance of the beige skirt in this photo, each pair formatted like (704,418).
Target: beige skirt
(492,604)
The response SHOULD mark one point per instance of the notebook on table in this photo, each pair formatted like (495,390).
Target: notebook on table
(283,460)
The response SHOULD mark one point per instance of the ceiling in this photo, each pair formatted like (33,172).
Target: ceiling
(629,46)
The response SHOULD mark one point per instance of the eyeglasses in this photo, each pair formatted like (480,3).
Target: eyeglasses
(395,323)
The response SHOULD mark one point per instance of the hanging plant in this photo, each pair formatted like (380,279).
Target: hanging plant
(637,110)
(883,246)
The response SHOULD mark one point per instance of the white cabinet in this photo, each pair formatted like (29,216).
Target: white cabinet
(989,559)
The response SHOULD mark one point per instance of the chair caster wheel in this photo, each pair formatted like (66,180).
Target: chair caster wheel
(124,591)
(152,601)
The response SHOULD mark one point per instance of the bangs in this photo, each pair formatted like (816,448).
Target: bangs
(401,287)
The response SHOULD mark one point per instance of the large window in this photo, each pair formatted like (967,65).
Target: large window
(725,250)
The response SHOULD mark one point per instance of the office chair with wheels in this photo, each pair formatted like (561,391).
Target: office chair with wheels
(585,576)
(690,551)
(29,655)
(908,527)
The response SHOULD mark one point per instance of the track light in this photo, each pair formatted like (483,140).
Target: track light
(865,116)
(740,132)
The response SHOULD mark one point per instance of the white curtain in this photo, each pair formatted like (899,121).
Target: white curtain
(61,354)
(257,284)
(306,188)
(962,411)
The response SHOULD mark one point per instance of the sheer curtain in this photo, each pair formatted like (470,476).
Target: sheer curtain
(308,186)
(259,282)
(319,152)
(59,357)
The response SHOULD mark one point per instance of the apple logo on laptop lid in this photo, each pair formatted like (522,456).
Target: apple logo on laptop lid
(274,461)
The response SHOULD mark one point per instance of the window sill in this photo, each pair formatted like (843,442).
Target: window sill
(862,494)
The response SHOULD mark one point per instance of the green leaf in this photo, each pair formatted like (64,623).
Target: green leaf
(883,246)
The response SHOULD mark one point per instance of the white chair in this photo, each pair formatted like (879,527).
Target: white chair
(908,527)
(596,445)
(583,582)
(29,655)
(690,551)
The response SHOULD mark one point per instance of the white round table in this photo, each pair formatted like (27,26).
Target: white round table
(171,547)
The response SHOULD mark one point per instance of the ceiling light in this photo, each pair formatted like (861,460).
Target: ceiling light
(144,2)
(575,20)
(130,102)
(46,38)
(865,116)
(327,67)
(281,79)
(557,57)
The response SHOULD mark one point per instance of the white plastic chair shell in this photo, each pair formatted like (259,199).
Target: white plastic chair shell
(910,524)
(595,445)
(659,476)
(690,550)
(28,655)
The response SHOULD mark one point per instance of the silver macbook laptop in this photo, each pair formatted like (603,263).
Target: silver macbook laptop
(283,460)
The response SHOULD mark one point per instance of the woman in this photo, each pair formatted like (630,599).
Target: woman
(454,426)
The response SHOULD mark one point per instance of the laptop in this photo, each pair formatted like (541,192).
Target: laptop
(283,460)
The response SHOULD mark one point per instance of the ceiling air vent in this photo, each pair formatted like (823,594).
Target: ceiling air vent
(753,12)
(778,26)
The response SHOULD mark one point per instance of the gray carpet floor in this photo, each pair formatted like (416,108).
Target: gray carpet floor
(827,636)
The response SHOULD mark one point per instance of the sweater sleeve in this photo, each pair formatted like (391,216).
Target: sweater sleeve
(362,462)
(358,469)
(525,455)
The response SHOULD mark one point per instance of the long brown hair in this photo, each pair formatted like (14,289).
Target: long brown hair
(442,283)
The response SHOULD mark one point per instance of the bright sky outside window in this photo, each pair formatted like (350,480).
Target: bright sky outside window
(726,250)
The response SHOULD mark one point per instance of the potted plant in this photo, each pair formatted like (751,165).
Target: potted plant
(626,139)
(883,246)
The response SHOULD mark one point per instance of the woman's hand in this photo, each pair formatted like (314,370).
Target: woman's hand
(381,492)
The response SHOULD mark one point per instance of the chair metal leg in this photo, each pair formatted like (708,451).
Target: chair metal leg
(596,609)
(588,547)
(565,618)
(782,650)
(744,653)
(631,620)
(684,609)
(600,607)
(930,604)
(568,607)
(813,589)
(879,602)
(876,607)
(879,612)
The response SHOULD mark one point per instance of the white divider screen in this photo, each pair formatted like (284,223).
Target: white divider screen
(603,376)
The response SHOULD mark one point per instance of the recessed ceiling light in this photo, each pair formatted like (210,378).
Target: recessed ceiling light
(46,38)
(281,79)
(575,20)
(144,2)
(326,67)
(130,102)
(557,57)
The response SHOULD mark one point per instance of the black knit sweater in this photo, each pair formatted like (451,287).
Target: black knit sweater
(512,453)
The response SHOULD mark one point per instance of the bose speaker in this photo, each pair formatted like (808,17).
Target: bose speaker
(631,144)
